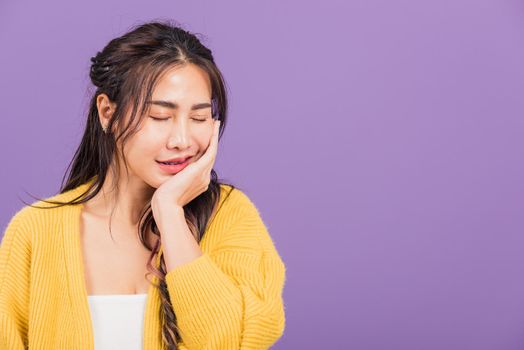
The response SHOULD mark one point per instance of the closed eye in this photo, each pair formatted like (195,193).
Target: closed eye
(158,118)
(163,119)
(200,120)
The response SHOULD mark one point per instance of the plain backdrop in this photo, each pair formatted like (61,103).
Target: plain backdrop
(382,142)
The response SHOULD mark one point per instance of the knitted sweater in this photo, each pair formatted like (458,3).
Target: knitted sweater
(228,298)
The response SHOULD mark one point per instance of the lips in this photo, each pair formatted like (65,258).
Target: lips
(173,168)
(174,160)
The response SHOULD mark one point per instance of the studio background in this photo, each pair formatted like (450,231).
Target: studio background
(382,142)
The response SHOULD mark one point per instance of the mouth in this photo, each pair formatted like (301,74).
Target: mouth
(173,167)
(175,161)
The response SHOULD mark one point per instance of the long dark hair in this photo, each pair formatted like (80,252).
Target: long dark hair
(127,70)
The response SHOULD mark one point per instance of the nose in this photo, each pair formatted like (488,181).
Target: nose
(179,135)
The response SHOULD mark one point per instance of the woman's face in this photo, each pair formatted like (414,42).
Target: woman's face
(181,102)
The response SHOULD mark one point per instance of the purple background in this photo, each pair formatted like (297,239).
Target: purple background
(381,140)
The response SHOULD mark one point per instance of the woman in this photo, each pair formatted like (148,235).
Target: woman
(141,199)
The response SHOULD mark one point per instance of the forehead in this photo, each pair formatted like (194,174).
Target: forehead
(184,85)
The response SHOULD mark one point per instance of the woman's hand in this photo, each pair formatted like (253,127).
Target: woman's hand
(191,181)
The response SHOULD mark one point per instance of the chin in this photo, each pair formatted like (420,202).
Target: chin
(152,183)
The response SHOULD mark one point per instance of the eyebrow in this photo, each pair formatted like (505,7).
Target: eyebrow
(172,105)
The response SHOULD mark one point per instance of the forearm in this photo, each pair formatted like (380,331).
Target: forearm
(229,297)
(178,243)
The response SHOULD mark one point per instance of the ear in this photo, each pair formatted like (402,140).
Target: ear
(106,108)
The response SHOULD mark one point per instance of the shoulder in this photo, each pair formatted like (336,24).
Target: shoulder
(39,215)
(239,221)
(235,203)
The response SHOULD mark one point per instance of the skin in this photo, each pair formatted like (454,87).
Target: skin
(179,135)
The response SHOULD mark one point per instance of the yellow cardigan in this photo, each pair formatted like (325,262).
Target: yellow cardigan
(228,298)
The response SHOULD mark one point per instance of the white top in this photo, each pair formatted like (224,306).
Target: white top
(118,320)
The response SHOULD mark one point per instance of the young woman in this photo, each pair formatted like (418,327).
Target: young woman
(142,199)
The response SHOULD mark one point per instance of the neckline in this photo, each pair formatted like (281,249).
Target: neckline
(77,208)
(72,230)
(78,243)
(140,295)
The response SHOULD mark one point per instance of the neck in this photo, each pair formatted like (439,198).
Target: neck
(127,201)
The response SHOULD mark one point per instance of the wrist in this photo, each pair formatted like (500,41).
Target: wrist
(164,204)
(163,212)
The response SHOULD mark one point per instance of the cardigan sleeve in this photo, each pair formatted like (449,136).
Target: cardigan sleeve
(15,266)
(231,296)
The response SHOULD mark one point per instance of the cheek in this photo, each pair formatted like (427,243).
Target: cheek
(142,146)
(203,140)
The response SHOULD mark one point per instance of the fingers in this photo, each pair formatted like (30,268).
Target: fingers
(209,156)
(214,143)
